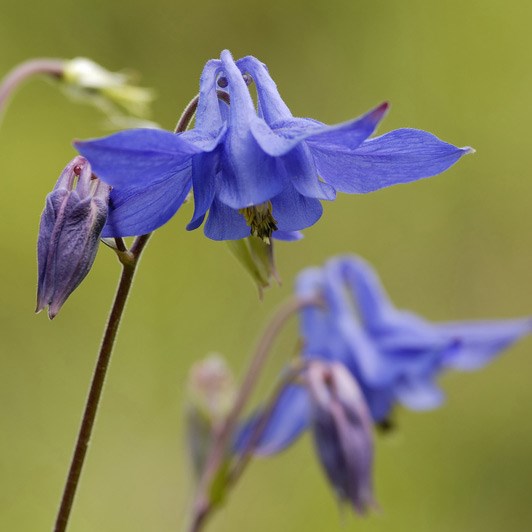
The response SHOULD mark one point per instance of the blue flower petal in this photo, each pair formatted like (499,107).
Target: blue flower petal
(401,156)
(137,157)
(365,360)
(290,417)
(248,175)
(204,141)
(418,394)
(293,212)
(270,104)
(315,327)
(282,136)
(287,236)
(225,223)
(380,402)
(394,328)
(208,115)
(140,210)
(477,343)
(349,135)
(302,173)
(204,186)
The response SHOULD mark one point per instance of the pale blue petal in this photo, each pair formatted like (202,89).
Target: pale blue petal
(285,134)
(302,173)
(366,358)
(380,402)
(248,176)
(205,141)
(401,156)
(137,157)
(208,115)
(477,343)
(137,211)
(395,329)
(290,417)
(287,236)
(351,134)
(242,106)
(204,167)
(418,394)
(293,212)
(271,105)
(225,223)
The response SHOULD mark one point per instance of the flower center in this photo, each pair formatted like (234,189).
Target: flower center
(260,220)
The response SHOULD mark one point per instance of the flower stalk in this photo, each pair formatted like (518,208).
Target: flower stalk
(129,260)
(215,463)
(51,67)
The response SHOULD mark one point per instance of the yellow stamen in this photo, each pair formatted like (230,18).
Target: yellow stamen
(260,220)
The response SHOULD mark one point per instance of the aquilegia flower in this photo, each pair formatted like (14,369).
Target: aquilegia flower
(257,171)
(69,233)
(395,356)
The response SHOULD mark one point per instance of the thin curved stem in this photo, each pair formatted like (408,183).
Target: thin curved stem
(129,260)
(191,108)
(203,506)
(52,67)
(187,115)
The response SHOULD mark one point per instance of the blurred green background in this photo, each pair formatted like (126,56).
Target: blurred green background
(452,247)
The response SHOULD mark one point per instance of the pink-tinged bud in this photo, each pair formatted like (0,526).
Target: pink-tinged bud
(343,434)
(71,223)
(211,393)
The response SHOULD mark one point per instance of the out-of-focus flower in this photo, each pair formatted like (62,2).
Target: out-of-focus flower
(69,232)
(125,104)
(211,392)
(395,356)
(343,432)
(113,92)
(256,171)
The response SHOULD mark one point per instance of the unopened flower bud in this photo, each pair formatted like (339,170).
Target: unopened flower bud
(71,223)
(211,392)
(342,432)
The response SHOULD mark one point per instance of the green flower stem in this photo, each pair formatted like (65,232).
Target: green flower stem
(129,260)
(28,69)
(203,504)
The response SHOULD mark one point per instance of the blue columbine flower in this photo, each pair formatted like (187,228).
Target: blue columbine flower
(256,171)
(394,355)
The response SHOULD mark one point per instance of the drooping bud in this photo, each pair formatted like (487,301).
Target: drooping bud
(71,223)
(342,432)
(211,392)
